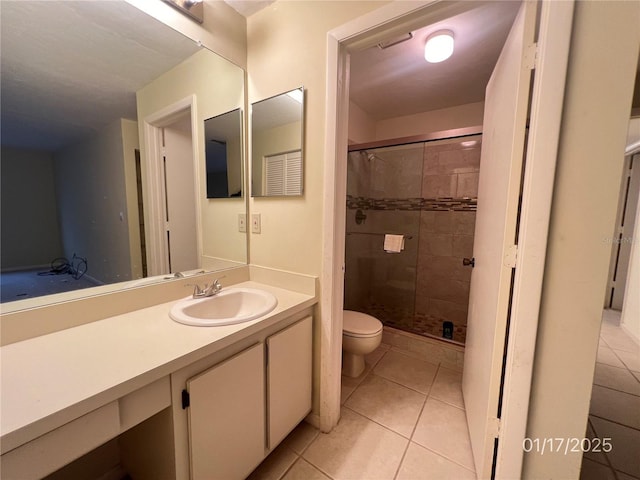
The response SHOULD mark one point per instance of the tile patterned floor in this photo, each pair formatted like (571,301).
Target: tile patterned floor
(403,419)
(615,405)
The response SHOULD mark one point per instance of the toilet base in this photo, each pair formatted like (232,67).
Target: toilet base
(352,364)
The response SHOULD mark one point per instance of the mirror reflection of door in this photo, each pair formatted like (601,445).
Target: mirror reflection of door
(223,154)
(180,195)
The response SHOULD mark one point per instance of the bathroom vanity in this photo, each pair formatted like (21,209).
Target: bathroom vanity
(183,401)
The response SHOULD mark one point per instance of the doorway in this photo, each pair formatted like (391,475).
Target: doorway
(546,115)
(172,230)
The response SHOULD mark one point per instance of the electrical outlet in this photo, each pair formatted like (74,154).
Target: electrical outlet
(242,222)
(255,222)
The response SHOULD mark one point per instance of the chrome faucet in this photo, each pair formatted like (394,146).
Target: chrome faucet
(207,290)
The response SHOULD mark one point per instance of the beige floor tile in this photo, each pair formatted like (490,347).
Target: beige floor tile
(611,317)
(374,357)
(408,371)
(624,476)
(625,452)
(443,429)
(636,374)
(357,448)
(596,456)
(345,391)
(616,378)
(607,357)
(595,471)
(420,463)
(630,359)
(275,465)
(349,384)
(618,339)
(303,470)
(617,406)
(392,405)
(301,437)
(448,387)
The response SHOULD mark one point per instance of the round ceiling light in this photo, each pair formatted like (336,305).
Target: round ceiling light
(439,46)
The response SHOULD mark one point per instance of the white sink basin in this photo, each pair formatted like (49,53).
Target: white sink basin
(230,306)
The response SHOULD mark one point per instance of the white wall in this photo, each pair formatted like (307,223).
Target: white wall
(92,204)
(286,49)
(30,232)
(461,116)
(218,86)
(601,71)
(362,128)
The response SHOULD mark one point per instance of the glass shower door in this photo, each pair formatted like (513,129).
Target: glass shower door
(383,197)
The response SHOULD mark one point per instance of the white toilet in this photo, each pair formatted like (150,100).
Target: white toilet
(361,334)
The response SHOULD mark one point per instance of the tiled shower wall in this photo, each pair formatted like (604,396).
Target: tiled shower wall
(427,192)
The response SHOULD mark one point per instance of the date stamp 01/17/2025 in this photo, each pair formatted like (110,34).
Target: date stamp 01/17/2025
(566,445)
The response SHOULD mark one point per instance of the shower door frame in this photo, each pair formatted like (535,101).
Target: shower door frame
(551,64)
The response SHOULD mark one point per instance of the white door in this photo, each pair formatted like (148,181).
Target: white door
(227,417)
(503,141)
(181,228)
(289,374)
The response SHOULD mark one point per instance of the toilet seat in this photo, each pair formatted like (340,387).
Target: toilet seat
(360,325)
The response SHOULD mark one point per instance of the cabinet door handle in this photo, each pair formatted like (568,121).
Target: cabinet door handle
(469,262)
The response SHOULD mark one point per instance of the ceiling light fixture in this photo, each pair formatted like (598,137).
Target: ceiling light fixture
(439,46)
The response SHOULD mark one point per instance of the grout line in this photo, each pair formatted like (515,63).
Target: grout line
(606,457)
(613,421)
(377,423)
(284,474)
(402,384)
(404,454)
(440,454)
(616,389)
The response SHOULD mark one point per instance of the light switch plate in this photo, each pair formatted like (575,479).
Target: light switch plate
(255,222)
(242,222)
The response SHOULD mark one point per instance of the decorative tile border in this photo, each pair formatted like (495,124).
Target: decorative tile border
(442,204)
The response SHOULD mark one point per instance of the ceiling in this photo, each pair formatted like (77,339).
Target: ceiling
(248,7)
(69,68)
(398,81)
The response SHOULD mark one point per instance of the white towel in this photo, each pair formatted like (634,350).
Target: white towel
(393,243)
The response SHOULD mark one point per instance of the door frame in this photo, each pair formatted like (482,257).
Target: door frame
(551,64)
(154,187)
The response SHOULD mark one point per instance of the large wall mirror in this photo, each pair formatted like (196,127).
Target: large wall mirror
(78,81)
(277,157)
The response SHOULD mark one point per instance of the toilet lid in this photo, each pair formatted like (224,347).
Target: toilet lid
(360,324)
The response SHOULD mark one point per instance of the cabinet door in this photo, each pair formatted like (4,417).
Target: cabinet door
(288,379)
(227,417)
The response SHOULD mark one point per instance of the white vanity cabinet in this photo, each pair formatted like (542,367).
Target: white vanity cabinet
(288,379)
(227,417)
(231,411)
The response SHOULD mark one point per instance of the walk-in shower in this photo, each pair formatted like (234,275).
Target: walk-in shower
(427,192)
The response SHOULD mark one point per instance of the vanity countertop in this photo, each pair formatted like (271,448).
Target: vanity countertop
(52,379)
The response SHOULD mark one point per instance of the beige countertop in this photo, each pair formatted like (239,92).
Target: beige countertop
(49,380)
